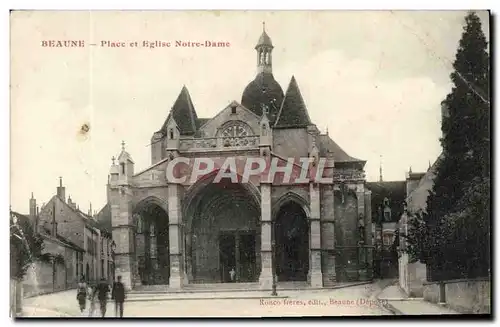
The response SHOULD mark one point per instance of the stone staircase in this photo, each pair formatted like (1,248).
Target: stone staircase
(222,291)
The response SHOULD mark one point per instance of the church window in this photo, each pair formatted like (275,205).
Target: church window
(123,167)
(139,224)
(235,133)
(171,134)
(264,130)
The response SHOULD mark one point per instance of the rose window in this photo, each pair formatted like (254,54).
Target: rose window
(235,134)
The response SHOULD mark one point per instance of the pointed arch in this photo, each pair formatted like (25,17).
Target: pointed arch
(291,196)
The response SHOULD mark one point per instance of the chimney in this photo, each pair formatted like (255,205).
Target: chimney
(71,203)
(32,207)
(61,191)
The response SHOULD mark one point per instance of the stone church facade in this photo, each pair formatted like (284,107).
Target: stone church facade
(175,234)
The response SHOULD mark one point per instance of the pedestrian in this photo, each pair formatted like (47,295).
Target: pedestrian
(102,291)
(81,295)
(118,294)
(232,274)
(92,297)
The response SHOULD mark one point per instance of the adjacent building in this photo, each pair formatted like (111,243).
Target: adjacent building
(58,271)
(412,273)
(387,206)
(62,220)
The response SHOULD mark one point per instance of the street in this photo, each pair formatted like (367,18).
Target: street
(356,300)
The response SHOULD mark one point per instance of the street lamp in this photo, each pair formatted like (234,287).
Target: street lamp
(273,254)
(273,258)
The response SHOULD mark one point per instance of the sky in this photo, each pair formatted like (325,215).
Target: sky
(374,79)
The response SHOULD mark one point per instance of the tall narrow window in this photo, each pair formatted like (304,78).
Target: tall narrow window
(123,168)
(171,134)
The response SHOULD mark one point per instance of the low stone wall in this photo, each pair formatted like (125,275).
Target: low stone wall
(462,295)
(431,292)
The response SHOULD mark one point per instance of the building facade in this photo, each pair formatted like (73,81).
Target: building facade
(387,206)
(61,218)
(176,233)
(54,274)
(413,273)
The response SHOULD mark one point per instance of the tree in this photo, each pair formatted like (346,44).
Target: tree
(457,201)
(26,246)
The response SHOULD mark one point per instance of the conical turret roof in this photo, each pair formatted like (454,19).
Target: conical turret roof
(183,113)
(293,112)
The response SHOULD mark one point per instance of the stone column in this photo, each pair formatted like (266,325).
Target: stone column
(368,232)
(189,258)
(362,250)
(266,274)
(315,275)
(328,236)
(176,243)
(123,235)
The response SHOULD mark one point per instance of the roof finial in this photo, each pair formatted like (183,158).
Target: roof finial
(113,159)
(410,170)
(123,145)
(32,195)
(326,130)
(381,179)
(430,164)
(60,181)
(264,27)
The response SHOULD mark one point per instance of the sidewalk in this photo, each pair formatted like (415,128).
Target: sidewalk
(396,301)
(41,313)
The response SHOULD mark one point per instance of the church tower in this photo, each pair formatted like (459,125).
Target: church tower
(264,52)
(264,91)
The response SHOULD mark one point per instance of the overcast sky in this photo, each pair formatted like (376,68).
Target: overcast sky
(374,79)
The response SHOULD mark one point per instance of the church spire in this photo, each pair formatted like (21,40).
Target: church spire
(264,52)
(381,179)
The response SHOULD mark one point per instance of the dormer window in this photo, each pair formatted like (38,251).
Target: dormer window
(171,133)
(233,109)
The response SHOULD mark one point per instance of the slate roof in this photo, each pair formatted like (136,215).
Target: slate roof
(263,90)
(395,191)
(327,147)
(264,40)
(293,112)
(103,218)
(184,114)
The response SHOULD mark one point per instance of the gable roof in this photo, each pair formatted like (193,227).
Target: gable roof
(293,112)
(183,113)
(327,147)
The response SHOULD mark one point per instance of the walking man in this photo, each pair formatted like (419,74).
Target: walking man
(102,295)
(118,294)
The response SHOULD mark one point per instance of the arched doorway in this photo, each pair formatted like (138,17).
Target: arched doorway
(152,244)
(223,234)
(292,243)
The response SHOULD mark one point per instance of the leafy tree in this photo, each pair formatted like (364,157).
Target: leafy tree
(25,246)
(456,222)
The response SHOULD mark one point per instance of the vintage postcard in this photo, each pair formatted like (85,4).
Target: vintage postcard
(249,163)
